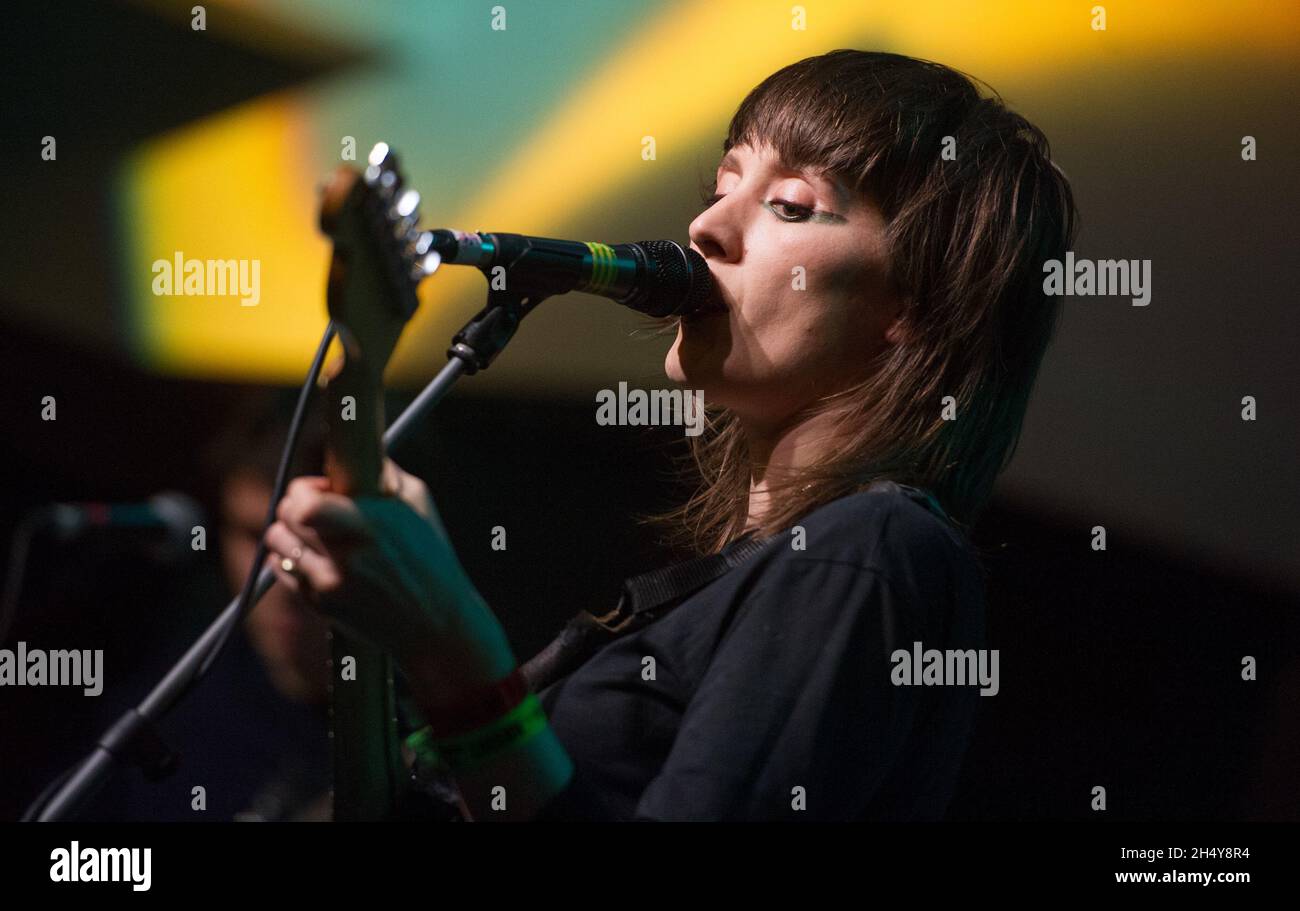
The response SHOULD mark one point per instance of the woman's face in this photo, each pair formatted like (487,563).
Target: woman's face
(800,263)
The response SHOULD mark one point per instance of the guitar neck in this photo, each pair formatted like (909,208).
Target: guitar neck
(354,456)
(378,259)
(368,766)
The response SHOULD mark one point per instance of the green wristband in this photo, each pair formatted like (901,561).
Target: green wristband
(468,751)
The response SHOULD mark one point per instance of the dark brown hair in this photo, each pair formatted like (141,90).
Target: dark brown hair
(967,239)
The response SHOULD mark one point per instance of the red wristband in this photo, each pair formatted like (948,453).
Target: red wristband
(480,707)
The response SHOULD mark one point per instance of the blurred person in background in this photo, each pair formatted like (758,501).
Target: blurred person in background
(253,734)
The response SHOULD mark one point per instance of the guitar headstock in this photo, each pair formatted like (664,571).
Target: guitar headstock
(380,256)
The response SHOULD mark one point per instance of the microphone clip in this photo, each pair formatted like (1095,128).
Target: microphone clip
(482,338)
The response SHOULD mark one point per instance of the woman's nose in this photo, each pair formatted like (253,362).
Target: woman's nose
(714,233)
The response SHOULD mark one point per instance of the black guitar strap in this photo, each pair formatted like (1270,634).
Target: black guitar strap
(649,596)
(645,598)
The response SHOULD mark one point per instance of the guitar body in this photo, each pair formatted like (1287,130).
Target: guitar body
(378,260)
(369,774)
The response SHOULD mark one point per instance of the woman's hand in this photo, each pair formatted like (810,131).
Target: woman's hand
(384,567)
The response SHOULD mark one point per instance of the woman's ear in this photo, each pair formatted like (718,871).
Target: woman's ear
(896,334)
(898,330)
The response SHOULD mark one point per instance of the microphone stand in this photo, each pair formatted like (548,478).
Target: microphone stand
(134,736)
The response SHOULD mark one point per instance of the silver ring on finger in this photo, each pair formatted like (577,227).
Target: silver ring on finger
(290,563)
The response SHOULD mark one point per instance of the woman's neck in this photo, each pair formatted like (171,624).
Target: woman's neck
(777,453)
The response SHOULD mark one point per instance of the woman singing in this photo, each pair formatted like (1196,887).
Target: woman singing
(876,234)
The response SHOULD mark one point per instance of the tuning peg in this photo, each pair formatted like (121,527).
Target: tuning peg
(426,266)
(389,183)
(380,155)
(382,160)
(406,203)
(406,211)
(420,244)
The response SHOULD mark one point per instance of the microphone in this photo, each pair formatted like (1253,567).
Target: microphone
(655,277)
(173,513)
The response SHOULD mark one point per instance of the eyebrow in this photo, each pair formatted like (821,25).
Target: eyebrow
(732,160)
(842,194)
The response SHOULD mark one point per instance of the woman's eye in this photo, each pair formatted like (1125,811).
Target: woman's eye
(788,211)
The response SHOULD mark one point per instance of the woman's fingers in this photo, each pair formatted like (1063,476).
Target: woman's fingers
(390,479)
(412,491)
(322,519)
(320,482)
(336,520)
(317,570)
(288,580)
(282,543)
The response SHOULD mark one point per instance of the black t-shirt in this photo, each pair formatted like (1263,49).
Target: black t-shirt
(767,694)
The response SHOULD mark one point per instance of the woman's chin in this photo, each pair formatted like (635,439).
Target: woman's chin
(691,370)
(673,367)
(694,361)
(683,363)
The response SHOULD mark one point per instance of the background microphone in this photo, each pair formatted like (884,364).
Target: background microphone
(656,277)
(163,523)
(171,513)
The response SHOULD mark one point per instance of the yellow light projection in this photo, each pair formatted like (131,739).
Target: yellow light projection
(233,187)
(239,186)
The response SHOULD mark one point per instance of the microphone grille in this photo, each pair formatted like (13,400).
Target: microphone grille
(683,282)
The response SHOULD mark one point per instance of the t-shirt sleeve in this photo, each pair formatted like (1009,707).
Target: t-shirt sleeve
(795,716)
